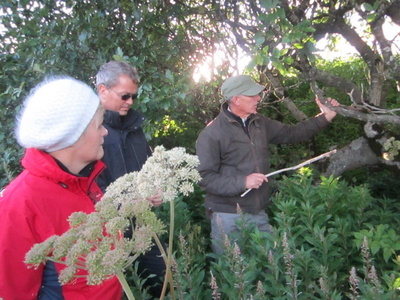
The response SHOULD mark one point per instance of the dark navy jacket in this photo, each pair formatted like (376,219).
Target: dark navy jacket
(125,147)
(126,150)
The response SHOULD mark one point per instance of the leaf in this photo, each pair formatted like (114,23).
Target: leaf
(375,246)
(396,283)
(260,40)
(359,235)
(83,36)
(169,76)
(387,253)
(371,17)
(367,7)
(268,4)
(396,246)
(298,45)
(147,86)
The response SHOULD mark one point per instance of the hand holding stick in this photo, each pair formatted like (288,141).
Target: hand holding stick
(296,167)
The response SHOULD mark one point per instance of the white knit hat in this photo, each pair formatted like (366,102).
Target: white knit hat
(55,114)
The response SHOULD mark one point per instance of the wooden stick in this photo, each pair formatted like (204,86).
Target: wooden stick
(296,167)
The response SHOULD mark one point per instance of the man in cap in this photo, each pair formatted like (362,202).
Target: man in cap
(233,153)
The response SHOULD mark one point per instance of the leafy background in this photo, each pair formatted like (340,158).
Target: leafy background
(319,223)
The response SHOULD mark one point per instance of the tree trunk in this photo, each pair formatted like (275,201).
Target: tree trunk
(353,156)
(364,151)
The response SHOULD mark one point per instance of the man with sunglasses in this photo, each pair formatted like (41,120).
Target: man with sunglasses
(233,154)
(126,148)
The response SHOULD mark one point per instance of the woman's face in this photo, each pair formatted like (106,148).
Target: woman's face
(90,144)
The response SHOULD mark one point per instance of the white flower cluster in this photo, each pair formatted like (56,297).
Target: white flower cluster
(171,171)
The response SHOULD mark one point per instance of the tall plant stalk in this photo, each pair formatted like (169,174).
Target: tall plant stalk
(125,286)
(168,273)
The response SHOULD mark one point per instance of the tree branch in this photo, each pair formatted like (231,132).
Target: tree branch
(341,84)
(354,113)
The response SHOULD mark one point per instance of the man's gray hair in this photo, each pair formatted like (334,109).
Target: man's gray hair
(109,73)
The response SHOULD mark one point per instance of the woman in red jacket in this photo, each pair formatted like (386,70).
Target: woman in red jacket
(61,128)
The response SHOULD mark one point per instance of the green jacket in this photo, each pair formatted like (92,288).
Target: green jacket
(228,154)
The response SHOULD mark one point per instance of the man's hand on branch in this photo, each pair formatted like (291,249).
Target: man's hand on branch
(326,111)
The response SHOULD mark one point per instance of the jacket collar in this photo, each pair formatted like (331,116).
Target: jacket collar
(42,164)
(234,118)
(85,172)
(132,120)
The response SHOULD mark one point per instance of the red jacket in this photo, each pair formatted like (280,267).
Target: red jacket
(35,206)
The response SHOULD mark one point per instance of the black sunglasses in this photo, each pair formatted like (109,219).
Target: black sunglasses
(125,97)
(128,96)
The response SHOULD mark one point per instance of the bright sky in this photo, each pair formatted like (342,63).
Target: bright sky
(204,70)
(343,49)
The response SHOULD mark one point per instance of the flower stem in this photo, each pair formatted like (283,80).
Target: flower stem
(168,274)
(125,286)
(165,257)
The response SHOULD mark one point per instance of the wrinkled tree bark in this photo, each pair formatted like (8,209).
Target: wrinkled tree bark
(364,151)
(355,155)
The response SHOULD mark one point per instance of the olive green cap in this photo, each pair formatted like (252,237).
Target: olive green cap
(240,85)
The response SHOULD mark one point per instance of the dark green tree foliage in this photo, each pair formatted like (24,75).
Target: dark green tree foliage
(11,90)
(43,38)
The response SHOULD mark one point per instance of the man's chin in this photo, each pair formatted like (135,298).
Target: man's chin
(123,112)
